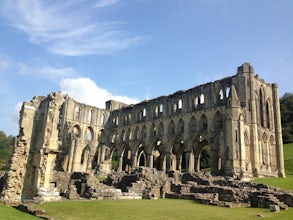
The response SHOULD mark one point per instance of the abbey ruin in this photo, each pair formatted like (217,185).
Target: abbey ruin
(235,121)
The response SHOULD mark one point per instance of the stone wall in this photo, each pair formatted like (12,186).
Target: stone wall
(235,120)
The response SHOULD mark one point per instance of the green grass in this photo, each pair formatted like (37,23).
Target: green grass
(284,183)
(288,158)
(153,209)
(159,209)
(9,213)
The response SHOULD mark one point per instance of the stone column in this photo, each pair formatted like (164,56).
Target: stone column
(120,163)
(188,161)
(168,161)
(134,161)
(150,159)
(241,143)
(253,129)
(278,132)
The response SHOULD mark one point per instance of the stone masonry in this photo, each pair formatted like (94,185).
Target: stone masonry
(236,120)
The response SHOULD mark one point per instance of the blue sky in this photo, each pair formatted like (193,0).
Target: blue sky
(132,50)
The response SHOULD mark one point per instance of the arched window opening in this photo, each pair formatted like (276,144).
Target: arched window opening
(227,92)
(205,159)
(174,107)
(123,135)
(77,113)
(103,119)
(261,107)
(171,128)
(115,160)
(221,94)
(195,102)
(144,113)
(201,98)
(129,117)
(126,165)
(247,146)
(218,121)
(156,111)
(89,134)
(161,108)
(192,125)
(268,115)
(154,130)
(180,104)
(181,127)
(143,132)
(136,134)
(76,131)
(90,116)
(204,122)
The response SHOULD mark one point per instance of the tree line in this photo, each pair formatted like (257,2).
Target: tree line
(286,106)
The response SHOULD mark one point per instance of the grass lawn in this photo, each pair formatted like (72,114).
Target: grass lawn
(9,213)
(284,183)
(288,158)
(159,209)
(153,209)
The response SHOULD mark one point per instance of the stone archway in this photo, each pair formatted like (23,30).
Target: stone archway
(158,155)
(126,159)
(177,147)
(85,159)
(115,159)
(141,157)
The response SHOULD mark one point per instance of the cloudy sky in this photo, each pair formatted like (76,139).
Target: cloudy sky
(132,50)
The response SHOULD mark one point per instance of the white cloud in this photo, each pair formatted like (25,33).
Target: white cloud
(49,72)
(68,28)
(86,91)
(105,3)
(17,108)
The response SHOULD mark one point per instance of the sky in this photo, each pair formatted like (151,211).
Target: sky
(132,50)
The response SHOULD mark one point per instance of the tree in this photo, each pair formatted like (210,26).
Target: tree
(5,149)
(286,106)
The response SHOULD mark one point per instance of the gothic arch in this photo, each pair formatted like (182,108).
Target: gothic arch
(180,127)
(89,134)
(161,130)
(126,158)
(76,131)
(192,126)
(203,123)
(218,121)
(171,128)
(85,159)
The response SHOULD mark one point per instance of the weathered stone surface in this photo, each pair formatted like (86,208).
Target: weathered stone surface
(235,120)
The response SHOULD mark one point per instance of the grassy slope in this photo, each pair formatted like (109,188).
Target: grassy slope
(9,213)
(153,209)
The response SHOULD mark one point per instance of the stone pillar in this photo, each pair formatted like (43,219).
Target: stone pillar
(150,159)
(253,129)
(197,163)
(120,163)
(241,143)
(188,162)
(134,161)
(168,161)
(278,132)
